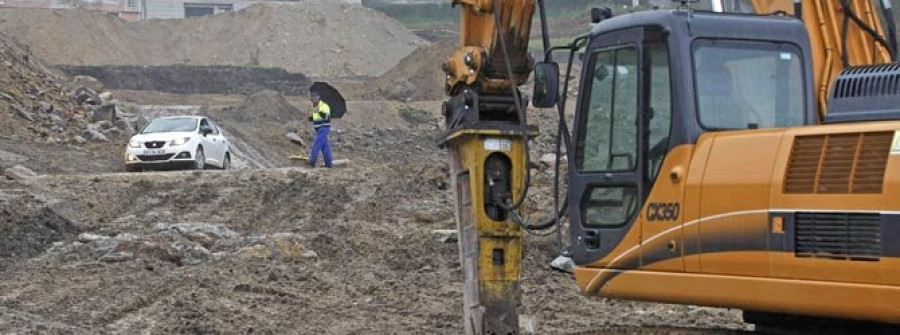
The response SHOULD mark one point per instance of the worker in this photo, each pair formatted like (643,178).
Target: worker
(321,119)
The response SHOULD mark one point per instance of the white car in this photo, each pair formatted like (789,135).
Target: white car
(192,142)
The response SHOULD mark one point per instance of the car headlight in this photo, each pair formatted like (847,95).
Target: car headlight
(180,141)
(134,144)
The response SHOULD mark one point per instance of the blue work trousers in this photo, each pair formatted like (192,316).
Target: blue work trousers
(321,144)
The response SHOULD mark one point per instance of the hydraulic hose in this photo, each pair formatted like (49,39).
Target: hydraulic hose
(850,13)
(518,104)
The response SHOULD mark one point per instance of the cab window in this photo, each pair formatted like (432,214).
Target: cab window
(607,139)
(659,106)
(748,84)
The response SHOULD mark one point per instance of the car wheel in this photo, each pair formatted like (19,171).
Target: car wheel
(199,159)
(226,164)
(132,168)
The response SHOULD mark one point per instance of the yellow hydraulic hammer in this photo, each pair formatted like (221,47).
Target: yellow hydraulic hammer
(490,244)
(487,140)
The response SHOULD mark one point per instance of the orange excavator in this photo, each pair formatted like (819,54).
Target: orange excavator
(746,157)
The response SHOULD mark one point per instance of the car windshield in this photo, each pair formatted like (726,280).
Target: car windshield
(167,125)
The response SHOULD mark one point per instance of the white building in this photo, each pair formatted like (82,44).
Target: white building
(176,9)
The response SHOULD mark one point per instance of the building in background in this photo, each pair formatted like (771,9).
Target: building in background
(175,9)
(133,10)
(129,10)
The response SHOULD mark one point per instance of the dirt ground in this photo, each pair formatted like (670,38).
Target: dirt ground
(272,247)
(280,250)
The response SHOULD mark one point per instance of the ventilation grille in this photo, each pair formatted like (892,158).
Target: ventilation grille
(865,93)
(838,163)
(844,236)
(867,81)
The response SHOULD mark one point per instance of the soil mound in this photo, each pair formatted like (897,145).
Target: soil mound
(266,106)
(35,102)
(317,39)
(27,228)
(418,77)
(257,128)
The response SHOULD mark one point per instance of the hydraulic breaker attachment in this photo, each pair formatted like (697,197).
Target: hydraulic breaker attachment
(488,164)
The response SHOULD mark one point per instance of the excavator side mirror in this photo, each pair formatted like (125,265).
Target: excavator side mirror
(546,84)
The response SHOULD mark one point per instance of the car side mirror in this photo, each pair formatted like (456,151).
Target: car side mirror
(205,131)
(546,84)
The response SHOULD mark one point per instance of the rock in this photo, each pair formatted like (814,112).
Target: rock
(6,97)
(104,112)
(116,257)
(426,216)
(446,235)
(526,325)
(57,120)
(288,247)
(214,231)
(563,263)
(293,137)
(548,159)
(126,237)
(22,113)
(126,125)
(105,246)
(89,82)
(162,251)
(103,124)
(95,135)
(192,254)
(90,237)
(79,140)
(45,107)
(106,97)
(123,111)
(200,238)
(255,251)
(19,172)
(113,132)
(86,96)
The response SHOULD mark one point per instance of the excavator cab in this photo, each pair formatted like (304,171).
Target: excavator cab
(651,84)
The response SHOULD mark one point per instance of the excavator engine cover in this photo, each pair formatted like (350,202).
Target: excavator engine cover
(866,93)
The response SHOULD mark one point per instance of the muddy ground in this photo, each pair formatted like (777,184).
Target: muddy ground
(284,249)
(271,247)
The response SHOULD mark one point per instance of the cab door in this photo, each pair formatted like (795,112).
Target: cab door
(661,219)
(606,173)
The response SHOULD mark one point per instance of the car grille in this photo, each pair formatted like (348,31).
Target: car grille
(151,158)
(154,144)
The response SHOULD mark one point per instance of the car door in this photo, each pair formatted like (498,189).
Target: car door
(219,141)
(208,142)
